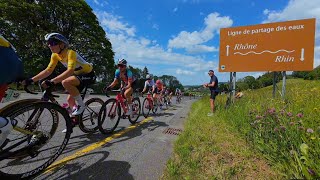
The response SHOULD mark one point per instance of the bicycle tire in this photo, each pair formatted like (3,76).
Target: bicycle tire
(104,113)
(88,120)
(55,151)
(155,107)
(146,104)
(18,104)
(136,110)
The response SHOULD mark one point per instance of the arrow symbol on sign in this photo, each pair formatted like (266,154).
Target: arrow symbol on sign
(302,54)
(227,50)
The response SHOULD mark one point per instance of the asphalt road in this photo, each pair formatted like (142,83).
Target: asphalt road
(132,152)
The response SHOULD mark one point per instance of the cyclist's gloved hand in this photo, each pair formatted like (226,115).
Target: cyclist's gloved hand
(27,82)
(107,88)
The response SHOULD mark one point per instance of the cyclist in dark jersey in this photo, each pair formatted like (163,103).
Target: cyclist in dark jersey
(10,69)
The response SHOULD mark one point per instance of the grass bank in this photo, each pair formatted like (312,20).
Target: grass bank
(256,138)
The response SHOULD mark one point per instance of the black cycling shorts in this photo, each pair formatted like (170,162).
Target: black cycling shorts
(85,80)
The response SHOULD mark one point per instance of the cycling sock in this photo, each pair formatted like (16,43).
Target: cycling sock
(79,100)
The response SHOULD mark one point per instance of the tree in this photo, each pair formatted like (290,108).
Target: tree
(171,82)
(145,71)
(24,23)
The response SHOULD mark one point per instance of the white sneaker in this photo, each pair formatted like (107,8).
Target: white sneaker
(79,110)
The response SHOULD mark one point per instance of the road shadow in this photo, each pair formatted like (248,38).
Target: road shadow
(99,169)
(136,132)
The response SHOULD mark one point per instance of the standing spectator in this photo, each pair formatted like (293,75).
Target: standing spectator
(213,86)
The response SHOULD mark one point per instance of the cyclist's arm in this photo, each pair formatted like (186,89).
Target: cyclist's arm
(45,73)
(130,78)
(145,87)
(115,82)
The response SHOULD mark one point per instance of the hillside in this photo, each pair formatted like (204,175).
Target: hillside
(257,137)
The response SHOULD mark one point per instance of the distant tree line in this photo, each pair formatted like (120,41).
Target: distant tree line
(308,75)
(249,82)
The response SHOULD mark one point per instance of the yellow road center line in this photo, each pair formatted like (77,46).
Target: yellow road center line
(93,146)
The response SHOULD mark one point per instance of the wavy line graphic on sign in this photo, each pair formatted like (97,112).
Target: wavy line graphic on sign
(243,54)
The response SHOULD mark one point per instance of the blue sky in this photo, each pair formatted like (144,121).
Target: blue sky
(181,37)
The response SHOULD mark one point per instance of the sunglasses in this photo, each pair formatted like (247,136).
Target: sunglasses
(121,66)
(53,42)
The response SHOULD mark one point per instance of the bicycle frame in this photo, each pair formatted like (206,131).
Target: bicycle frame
(150,100)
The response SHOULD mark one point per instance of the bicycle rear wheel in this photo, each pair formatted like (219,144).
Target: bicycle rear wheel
(26,155)
(109,116)
(136,106)
(88,121)
(146,107)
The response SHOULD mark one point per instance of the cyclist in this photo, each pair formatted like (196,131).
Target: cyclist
(79,72)
(178,92)
(11,68)
(149,84)
(170,93)
(158,91)
(127,82)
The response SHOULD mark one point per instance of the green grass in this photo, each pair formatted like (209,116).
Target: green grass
(256,138)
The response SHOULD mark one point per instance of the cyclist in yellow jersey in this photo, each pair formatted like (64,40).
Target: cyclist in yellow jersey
(79,72)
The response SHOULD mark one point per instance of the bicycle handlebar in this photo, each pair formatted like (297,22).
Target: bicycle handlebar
(25,88)
(47,92)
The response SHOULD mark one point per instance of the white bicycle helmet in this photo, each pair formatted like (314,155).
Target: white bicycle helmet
(122,62)
(148,76)
(58,37)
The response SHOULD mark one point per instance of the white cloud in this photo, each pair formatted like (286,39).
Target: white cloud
(193,42)
(102,4)
(175,9)
(155,26)
(184,72)
(317,56)
(113,23)
(299,9)
(141,52)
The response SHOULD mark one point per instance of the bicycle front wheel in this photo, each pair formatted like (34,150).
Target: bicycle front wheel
(136,106)
(146,107)
(88,121)
(109,116)
(36,140)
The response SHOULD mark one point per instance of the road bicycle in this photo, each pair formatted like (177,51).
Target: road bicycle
(88,120)
(178,99)
(110,112)
(148,105)
(167,100)
(34,141)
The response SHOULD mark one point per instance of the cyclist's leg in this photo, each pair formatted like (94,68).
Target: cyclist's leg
(70,84)
(128,94)
(75,84)
(71,101)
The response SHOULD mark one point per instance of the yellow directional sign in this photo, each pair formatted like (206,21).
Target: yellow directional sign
(283,46)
